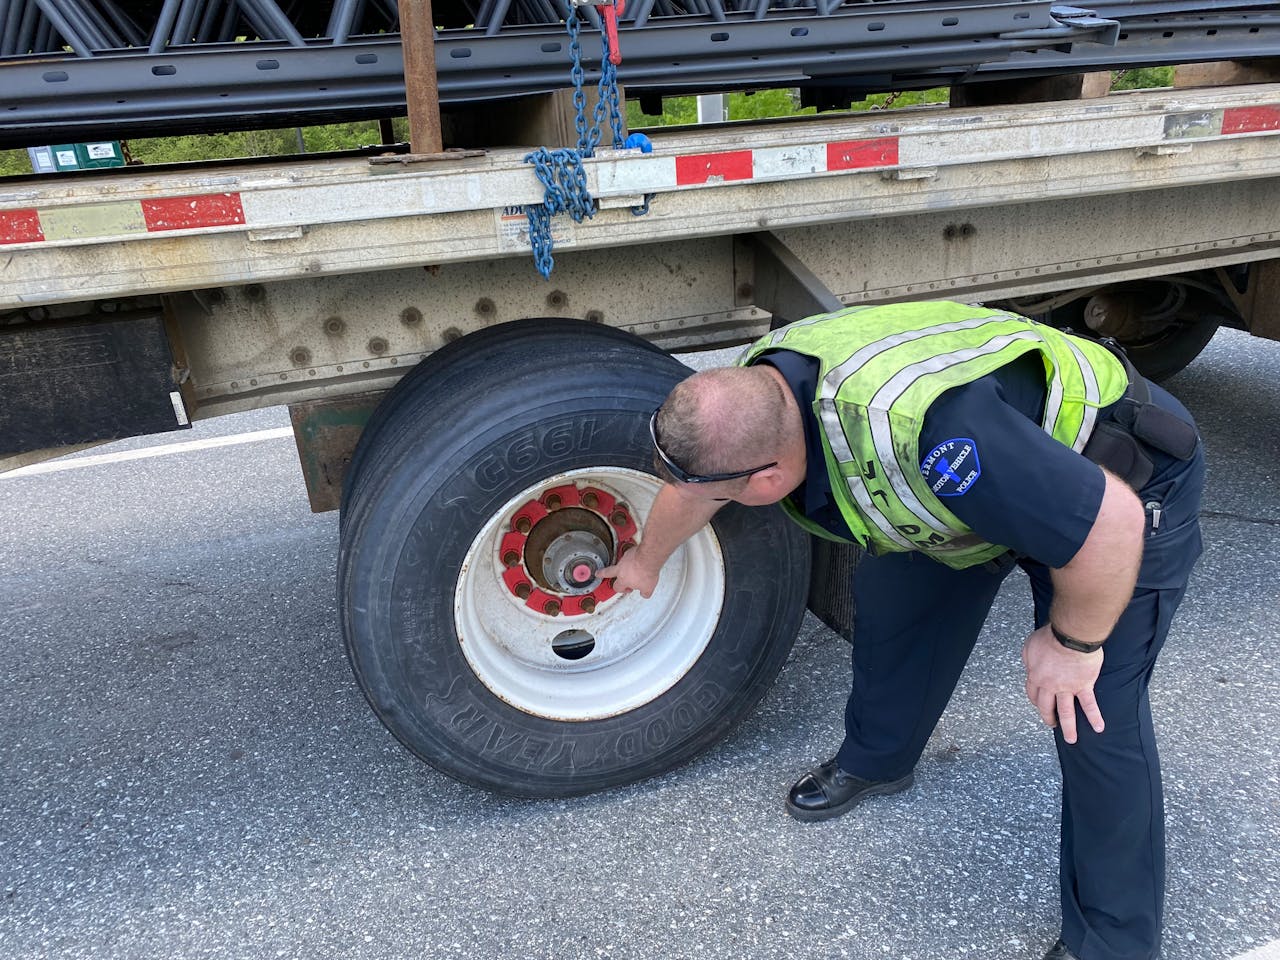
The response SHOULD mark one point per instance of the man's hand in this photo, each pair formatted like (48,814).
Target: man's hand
(631,573)
(1057,678)
(675,517)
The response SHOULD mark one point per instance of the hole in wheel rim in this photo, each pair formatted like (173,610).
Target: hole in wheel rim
(573,644)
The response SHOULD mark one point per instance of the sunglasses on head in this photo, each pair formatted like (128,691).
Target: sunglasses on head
(683,475)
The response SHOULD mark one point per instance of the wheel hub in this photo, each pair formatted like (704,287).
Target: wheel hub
(571,561)
(556,545)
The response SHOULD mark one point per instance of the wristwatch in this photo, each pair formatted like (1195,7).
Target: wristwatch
(1071,643)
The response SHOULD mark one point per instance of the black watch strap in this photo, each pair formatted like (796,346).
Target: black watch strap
(1071,643)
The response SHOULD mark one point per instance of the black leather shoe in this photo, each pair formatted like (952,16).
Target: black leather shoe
(1060,951)
(828,792)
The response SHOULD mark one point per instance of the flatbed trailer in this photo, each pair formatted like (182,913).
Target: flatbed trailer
(137,301)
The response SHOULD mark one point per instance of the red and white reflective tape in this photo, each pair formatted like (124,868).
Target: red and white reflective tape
(653,172)
(121,218)
(771,162)
(1230,121)
(20,226)
(274,206)
(1250,119)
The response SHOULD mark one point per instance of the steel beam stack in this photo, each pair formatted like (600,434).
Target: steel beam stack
(77,69)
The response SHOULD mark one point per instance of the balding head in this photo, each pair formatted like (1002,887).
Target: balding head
(724,419)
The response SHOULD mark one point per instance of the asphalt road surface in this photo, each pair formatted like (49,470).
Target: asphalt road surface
(190,771)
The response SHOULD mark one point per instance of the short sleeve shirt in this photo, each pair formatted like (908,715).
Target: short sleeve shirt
(1019,487)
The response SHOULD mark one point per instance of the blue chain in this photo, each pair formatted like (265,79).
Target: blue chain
(578,77)
(608,99)
(563,178)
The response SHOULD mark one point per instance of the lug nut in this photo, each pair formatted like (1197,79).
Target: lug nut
(588,605)
(553,502)
(590,500)
(523,525)
(618,518)
(551,608)
(523,590)
(511,558)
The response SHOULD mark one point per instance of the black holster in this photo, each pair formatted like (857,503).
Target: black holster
(1122,443)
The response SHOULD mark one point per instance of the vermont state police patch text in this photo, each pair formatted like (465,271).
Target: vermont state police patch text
(951,467)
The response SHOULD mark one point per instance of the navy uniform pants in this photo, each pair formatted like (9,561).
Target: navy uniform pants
(915,624)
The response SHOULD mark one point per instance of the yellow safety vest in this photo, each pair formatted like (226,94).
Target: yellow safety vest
(881,367)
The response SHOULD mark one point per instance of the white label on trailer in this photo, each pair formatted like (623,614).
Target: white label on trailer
(333,202)
(513,230)
(777,162)
(635,175)
(66,158)
(41,159)
(101,151)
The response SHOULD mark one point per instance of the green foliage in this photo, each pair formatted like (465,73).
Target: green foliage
(13,162)
(215,146)
(907,98)
(764,104)
(255,143)
(1142,78)
(227,146)
(347,136)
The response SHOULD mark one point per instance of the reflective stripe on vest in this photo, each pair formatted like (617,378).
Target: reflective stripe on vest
(880,372)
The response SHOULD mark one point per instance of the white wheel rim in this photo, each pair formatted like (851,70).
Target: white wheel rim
(639,649)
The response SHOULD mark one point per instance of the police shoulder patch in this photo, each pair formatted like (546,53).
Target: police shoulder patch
(951,467)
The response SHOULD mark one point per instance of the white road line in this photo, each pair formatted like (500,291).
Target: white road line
(164,449)
(1268,951)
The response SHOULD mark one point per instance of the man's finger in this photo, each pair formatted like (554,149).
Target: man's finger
(608,573)
(1067,715)
(1089,704)
(1045,705)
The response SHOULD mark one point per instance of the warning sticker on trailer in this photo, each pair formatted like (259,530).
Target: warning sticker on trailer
(513,231)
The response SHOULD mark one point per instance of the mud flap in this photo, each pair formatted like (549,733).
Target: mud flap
(86,382)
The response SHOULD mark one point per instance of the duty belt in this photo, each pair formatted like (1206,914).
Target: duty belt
(1121,442)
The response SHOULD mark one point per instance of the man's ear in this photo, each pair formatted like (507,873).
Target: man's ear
(768,485)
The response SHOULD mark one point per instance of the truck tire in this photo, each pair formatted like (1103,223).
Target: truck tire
(452,360)
(470,651)
(1161,324)
(1160,356)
